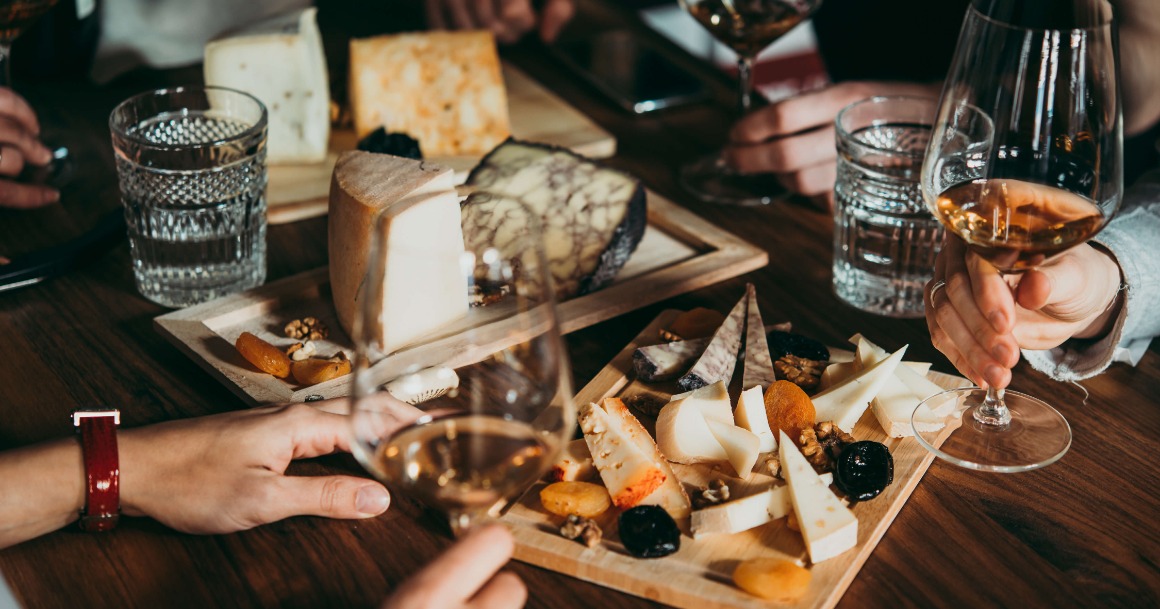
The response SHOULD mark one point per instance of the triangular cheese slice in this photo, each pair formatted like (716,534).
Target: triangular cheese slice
(683,435)
(628,473)
(741,446)
(747,512)
(828,526)
(720,357)
(845,402)
(897,402)
(670,495)
(758,370)
(750,414)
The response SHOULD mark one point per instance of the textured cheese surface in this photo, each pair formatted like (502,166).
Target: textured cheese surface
(667,360)
(828,527)
(280,62)
(670,496)
(758,370)
(444,89)
(627,472)
(424,286)
(720,357)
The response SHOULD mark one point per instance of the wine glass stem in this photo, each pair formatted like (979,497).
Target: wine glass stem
(6,64)
(744,83)
(993,411)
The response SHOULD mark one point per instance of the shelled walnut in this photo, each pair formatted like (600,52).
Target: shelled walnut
(822,444)
(805,373)
(301,351)
(717,492)
(773,466)
(310,328)
(584,530)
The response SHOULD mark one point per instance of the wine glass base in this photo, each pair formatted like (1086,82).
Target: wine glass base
(711,180)
(1036,436)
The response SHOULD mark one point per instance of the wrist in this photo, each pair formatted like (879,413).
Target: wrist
(1111,303)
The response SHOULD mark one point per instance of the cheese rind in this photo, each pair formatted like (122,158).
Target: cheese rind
(828,527)
(409,208)
(750,414)
(758,369)
(720,357)
(667,360)
(747,512)
(281,62)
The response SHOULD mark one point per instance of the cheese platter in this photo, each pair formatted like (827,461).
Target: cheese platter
(725,546)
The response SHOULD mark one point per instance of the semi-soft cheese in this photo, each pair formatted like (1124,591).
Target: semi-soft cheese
(683,434)
(746,512)
(828,526)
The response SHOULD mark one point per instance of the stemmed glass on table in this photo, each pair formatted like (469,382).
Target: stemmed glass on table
(498,382)
(747,27)
(1024,163)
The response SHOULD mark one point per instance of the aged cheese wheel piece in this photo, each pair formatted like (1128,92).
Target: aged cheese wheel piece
(425,288)
(592,217)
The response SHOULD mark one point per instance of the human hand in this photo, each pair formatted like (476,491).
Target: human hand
(794,138)
(225,472)
(509,20)
(982,318)
(18,147)
(465,576)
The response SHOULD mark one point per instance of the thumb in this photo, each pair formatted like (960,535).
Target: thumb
(329,496)
(1058,290)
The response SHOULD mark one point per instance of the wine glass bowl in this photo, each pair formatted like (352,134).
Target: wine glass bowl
(1024,163)
(491,391)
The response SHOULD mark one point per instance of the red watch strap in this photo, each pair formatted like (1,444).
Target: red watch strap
(98,430)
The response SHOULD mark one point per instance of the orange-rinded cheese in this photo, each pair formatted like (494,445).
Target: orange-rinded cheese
(444,89)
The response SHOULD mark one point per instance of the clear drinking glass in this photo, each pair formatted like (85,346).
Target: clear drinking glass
(747,27)
(885,239)
(192,168)
(1024,163)
(492,387)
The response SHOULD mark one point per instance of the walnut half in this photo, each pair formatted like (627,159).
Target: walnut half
(805,373)
(584,530)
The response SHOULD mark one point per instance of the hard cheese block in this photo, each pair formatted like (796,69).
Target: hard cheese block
(720,357)
(667,360)
(845,402)
(747,512)
(411,209)
(592,217)
(828,527)
(280,62)
(444,89)
(758,370)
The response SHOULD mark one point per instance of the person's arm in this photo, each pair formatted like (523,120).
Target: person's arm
(1139,23)
(214,474)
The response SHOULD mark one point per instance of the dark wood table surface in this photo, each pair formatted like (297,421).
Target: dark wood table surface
(1084,532)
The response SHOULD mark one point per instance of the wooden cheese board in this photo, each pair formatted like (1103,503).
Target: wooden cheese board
(680,252)
(298,192)
(698,576)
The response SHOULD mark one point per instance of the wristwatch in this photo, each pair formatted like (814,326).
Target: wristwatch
(98,435)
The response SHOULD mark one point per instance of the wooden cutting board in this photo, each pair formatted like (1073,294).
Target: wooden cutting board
(698,576)
(297,192)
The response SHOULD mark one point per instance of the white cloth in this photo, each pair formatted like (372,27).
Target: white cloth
(171,33)
(1133,237)
(7,600)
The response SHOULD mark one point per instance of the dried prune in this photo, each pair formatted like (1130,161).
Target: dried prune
(398,144)
(647,531)
(864,469)
(786,343)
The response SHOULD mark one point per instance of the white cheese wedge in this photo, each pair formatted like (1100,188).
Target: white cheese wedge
(741,446)
(899,399)
(836,373)
(828,527)
(411,207)
(920,368)
(281,62)
(845,402)
(750,414)
(747,512)
(683,434)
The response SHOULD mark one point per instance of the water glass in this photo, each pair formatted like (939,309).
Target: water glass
(885,239)
(191,162)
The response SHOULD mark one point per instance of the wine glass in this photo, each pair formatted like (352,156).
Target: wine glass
(1024,163)
(747,27)
(492,388)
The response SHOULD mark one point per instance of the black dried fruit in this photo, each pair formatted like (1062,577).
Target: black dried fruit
(647,531)
(864,469)
(398,144)
(786,343)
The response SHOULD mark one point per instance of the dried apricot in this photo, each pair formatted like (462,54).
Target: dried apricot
(789,408)
(774,579)
(583,499)
(314,371)
(263,355)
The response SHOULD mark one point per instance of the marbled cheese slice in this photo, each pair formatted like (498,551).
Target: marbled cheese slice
(758,370)
(592,217)
(667,360)
(747,512)
(828,527)
(280,61)
(720,357)
(412,208)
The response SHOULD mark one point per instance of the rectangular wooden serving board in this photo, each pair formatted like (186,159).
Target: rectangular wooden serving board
(680,252)
(298,192)
(698,576)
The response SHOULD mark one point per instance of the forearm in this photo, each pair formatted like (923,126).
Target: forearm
(44,489)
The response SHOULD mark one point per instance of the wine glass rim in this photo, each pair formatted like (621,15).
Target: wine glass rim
(1011,26)
(250,132)
(845,135)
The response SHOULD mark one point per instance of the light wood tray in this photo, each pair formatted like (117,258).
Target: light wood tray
(698,576)
(298,192)
(680,252)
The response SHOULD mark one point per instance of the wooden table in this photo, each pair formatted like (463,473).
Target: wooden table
(1084,532)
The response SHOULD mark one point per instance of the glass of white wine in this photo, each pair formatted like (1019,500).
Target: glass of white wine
(492,387)
(1023,164)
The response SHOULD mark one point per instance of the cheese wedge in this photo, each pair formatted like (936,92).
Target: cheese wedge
(573,463)
(845,402)
(758,368)
(410,207)
(741,446)
(280,61)
(836,373)
(899,400)
(683,434)
(747,512)
(750,414)
(720,357)
(828,527)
